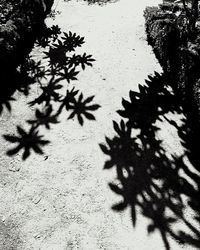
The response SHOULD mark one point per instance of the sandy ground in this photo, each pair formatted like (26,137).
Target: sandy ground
(61,200)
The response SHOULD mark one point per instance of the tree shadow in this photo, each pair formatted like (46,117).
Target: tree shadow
(161,187)
(59,66)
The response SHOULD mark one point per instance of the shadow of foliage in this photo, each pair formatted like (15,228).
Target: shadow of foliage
(99,2)
(53,14)
(53,74)
(27,141)
(149,180)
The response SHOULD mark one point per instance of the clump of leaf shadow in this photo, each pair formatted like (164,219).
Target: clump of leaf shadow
(148,180)
(53,74)
(53,14)
(99,2)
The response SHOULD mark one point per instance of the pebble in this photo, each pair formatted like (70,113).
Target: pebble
(36,199)
(14,168)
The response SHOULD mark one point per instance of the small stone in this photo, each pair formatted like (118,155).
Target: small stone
(46,157)
(14,168)
(36,199)
(37,236)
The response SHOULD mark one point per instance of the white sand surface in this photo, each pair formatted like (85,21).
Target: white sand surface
(64,202)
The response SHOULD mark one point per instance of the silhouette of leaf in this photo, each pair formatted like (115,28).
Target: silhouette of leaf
(133,215)
(14,151)
(109,142)
(10,138)
(142,90)
(115,189)
(119,207)
(89,99)
(71,115)
(171,220)
(108,164)
(122,113)
(122,125)
(133,95)
(116,127)
(80,119)
(93,107)
(21,131)
(89,116)
(125,104)
(104,149)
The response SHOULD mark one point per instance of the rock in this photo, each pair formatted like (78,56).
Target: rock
(36,199)
(14,168)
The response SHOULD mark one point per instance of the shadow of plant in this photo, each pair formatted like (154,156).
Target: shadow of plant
(52,75)
(148,179)
(27,141)
(99,2)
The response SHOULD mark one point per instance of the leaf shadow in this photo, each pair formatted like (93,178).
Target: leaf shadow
(149,180)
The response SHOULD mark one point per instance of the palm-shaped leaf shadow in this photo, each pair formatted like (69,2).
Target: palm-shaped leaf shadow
(82,108)
(26,141)
(69,74)
(68,100)
(86,60)
(71,41)
(48,93)
(44,118)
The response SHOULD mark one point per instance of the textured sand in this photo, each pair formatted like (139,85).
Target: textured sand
(64,202)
